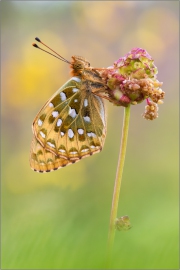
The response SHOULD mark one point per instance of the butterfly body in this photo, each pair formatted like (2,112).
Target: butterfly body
(72,123)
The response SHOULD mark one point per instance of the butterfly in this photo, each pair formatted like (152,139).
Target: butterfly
(72,123)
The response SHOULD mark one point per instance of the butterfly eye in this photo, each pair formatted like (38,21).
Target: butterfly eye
(78,66)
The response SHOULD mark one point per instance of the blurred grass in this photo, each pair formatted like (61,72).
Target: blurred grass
(60,220)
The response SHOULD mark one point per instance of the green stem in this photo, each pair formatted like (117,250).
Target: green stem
(118,184)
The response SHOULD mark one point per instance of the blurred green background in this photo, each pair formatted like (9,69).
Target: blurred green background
(60,220)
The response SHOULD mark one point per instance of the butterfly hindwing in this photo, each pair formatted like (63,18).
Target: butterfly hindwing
(70,126)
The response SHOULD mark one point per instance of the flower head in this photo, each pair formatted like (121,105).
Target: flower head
(132,79)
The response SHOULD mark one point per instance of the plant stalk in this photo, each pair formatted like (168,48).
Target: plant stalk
(117,185)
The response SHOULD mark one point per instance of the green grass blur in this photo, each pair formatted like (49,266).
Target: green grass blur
(60,220)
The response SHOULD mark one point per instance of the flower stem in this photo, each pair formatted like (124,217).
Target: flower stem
(117,184)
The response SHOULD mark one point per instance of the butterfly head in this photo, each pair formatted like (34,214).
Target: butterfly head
(78,65)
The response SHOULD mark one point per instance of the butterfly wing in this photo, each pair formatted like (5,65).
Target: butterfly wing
(42,160)
(70,126)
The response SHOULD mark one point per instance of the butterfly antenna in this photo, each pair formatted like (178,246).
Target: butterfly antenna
(36,46)
(60,57)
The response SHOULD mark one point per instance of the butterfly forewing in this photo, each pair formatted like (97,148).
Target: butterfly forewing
(70,126)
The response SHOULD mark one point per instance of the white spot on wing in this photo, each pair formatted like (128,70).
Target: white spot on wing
(72,113)
(76,100)
(63,96)
(80,131)
(59,122)
(73,152)
(51,105)
(75,90)
(42,134)
(49,161)
(51,144)
(70,133)
(40,122)
(62,150)
(77,79)
(85,102)
(92,146)
(62,133)
(87,119)
(85,150)
(91,134)
(55,113)
(42,163)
